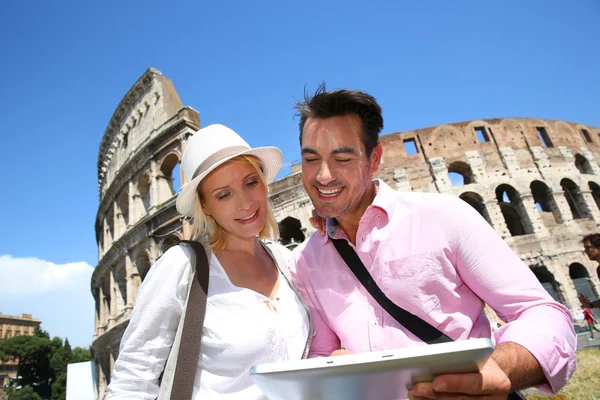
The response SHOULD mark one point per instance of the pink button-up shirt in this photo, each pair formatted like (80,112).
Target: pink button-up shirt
(435,256)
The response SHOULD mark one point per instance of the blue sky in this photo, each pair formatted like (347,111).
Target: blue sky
(66,65)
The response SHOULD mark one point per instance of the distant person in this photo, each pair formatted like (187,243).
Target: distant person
(591,247)
(589,318)
(431,254)
(254,314)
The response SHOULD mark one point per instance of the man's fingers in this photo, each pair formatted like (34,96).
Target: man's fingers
(423,390)
(463,383)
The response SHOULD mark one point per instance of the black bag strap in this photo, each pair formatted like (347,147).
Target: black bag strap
(191,336)
(414,324)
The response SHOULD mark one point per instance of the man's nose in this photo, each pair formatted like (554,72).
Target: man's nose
(325,176)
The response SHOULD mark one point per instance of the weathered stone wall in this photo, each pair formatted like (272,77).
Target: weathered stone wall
(136,220)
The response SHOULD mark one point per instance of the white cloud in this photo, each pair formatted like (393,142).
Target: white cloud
(21,276)
(58,295)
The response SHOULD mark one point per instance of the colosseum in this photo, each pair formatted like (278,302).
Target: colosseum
(536,181)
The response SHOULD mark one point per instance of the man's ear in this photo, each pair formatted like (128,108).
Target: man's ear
(376,156)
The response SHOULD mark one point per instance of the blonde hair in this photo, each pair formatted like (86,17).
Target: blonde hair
(206,228)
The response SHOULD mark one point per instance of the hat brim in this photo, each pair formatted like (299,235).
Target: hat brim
(270,157)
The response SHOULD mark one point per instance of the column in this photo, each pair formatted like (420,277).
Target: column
(497,218)
(131,273)
(537,225)
(440,174)
(131,195)
(113,299)
(154,195)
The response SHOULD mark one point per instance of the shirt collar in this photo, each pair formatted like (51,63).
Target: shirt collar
(384,201)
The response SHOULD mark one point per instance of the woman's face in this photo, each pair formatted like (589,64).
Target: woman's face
(235,196)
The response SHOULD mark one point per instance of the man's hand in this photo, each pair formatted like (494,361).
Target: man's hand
(340,352)
(318,222)
(490,383)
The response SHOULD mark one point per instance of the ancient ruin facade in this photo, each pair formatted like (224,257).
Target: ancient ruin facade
(138,178)
(535,181)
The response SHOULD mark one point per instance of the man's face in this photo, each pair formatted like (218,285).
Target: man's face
(591,251)
(335,166)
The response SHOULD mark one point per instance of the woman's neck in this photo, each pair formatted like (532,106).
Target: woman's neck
(248,245)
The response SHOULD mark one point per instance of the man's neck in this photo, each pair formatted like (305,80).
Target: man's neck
(349,222)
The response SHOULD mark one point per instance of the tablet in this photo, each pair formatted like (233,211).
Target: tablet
(382,375)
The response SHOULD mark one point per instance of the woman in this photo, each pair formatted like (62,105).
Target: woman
(254,315)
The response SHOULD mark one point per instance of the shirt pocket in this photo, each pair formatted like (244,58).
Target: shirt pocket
(412,282)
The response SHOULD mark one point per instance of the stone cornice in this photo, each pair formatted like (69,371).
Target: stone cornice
(124,108)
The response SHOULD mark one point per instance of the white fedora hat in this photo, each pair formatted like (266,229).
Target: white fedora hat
(213,146)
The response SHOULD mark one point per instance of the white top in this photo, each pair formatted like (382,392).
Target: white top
(241,328)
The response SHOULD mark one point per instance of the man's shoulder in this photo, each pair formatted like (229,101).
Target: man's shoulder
(426,200)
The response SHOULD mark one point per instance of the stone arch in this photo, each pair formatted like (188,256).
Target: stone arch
(550,284)
(142,264)
(169,180)
(110,224)
(98,298)
(123,205)
(168,242)
(291,231)
(476,201)
(545,203)
(575,199)
(595,189)
(107,298)
(562,125)
(120,277)
(578,271)
(513,210)
(101,237)
(460,173)
(583,165)
(582,282)
(144,193)
(448,137)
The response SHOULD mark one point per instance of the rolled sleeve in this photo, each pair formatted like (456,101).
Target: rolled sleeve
(499,277)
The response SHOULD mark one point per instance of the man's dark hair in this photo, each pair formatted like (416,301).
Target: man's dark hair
(337,103)
(594,239)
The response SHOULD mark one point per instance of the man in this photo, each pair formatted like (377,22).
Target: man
(591,247)
(431,254)
(589,318)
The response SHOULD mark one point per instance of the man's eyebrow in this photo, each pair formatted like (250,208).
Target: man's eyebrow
(341,150)
(308,150)
(345,150)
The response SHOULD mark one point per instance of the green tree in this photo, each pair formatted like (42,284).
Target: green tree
(80,354)
(34,353)
(26,393)
(42,364)
(59,387)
